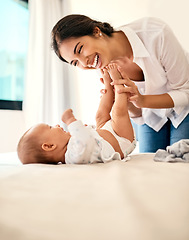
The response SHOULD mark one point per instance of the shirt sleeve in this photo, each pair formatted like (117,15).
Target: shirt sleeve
(80,145)
(176,65)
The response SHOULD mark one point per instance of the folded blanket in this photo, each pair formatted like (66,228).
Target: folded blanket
(177,152)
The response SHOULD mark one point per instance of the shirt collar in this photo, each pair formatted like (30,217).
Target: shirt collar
(138,47)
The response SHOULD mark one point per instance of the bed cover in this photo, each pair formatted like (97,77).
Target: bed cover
(136,200)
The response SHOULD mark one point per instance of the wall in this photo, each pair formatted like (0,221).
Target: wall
(11,128)
(175,13)
(118,12)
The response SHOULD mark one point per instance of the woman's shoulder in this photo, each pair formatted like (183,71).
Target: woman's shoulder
(147,23)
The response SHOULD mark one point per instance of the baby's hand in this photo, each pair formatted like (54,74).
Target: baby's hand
(68,117)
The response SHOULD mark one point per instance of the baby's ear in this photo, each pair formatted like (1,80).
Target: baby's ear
(48,147)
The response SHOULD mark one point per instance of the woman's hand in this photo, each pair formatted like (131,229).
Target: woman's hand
(131,89)
(123,63)
(134,95)
(126,66)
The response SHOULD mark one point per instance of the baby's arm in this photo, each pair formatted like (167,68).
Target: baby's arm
(81,141)
(68,117)
(106,102)
(81,144)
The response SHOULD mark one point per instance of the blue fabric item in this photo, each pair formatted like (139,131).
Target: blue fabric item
(151,141)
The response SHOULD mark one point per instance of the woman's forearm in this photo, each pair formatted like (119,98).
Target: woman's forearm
(149,101)
(157,101)
(144,101)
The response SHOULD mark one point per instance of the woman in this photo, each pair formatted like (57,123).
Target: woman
(154,67)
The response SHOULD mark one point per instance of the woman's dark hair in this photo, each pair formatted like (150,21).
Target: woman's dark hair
(76,25)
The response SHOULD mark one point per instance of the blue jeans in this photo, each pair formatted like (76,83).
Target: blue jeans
(151,141)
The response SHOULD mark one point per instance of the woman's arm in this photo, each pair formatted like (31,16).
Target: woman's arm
(174,62)
(144,101)
(155,101)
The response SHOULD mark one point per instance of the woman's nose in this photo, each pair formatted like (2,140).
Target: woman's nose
(84,61)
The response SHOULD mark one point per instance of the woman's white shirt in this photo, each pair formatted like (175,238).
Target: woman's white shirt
(165,66)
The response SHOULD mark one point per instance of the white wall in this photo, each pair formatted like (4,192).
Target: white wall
(11,128)
(87,86)
(175,13)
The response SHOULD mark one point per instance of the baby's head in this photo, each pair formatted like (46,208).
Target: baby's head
(43,144)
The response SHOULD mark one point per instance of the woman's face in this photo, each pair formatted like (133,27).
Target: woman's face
(87,52)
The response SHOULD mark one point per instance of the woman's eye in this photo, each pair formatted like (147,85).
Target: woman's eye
(75,63)
(80,49)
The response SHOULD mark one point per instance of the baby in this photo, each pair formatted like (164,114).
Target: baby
(113,138)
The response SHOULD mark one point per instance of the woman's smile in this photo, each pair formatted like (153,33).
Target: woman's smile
(96,63)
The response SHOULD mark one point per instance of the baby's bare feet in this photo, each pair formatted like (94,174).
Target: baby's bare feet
(114,73)
(106,77)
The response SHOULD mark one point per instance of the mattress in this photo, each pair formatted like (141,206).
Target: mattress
(136,200)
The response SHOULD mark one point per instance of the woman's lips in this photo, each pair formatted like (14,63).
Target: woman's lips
(99,62)
(96,62)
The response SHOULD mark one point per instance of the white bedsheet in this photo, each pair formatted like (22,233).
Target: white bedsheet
(136,200)
(9,159)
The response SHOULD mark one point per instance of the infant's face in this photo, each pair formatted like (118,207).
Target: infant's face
(49,134)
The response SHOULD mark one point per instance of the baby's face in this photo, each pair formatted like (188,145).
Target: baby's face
(51,135)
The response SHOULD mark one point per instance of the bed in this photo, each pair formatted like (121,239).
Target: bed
(136,200)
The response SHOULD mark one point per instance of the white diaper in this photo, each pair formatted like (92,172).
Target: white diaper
(126,146)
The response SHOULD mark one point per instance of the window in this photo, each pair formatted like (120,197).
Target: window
(14,22)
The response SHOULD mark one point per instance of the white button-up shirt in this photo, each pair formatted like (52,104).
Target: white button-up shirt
(165,66)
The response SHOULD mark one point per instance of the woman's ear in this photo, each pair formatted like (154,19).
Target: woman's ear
(97,32)
(48,147)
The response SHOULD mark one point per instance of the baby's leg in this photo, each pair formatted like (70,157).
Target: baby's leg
(106,102)
(120,117)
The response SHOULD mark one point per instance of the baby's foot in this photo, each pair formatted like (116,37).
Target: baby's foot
(114,73)
(106,77)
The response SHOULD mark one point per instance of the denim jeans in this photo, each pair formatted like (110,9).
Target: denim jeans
(151,141)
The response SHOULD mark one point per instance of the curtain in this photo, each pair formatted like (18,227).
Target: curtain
(46,89)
